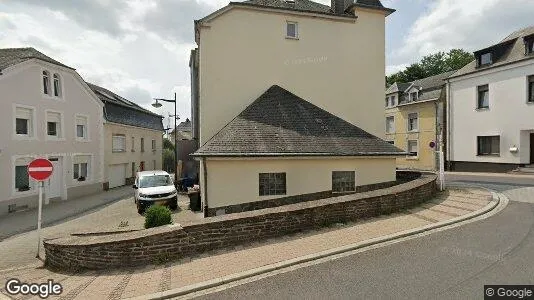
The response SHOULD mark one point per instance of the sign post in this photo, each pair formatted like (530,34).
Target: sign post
(441,163)
(40,170)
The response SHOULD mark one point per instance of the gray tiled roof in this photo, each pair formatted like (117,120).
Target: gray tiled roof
(430,87)
(514,53)
(120,110)
(13,56)
(280,123)
(298,5)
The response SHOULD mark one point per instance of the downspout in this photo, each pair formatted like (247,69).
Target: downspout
(437,140)
(205,184)
(449,125)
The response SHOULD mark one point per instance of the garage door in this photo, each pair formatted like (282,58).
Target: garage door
(117,175)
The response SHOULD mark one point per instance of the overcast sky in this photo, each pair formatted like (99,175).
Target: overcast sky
(140,48)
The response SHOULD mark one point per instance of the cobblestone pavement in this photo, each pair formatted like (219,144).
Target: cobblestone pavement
(126,283)
(22,248)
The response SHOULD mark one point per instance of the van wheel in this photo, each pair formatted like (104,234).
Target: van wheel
(174,204)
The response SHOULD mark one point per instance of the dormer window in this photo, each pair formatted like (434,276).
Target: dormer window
(529,46)
(413,96)
(292,31)
(485,59)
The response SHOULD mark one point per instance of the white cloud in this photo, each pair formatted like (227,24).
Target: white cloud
(468,24)
(395,68)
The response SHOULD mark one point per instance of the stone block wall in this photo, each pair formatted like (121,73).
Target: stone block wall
(173,242)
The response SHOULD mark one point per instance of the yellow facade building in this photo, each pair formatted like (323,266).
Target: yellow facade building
(414,120)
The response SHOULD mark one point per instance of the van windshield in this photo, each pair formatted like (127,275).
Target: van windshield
(155,180)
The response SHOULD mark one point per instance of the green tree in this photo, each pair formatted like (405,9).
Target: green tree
(432,64)
(168,160)
(167,144)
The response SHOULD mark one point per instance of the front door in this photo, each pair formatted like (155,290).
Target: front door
(532,148)
(55,182)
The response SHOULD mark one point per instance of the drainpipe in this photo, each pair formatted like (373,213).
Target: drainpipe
(205,185)
(449,125)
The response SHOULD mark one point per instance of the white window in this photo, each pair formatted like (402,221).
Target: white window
(24,121)
(22,179)
(390,124)
(133,144)
(46,83)
(142,144)
(413,122)
(343,181)
(57,85)
(119,143)
(153,145)
(81,167)
(81,128)
(485,59)
(53,124)
(413,147)
(413,96)
(392,100)
(292,30)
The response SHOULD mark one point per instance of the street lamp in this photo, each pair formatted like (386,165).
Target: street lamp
(157,104)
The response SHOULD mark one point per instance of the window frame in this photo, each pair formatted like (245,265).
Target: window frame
(278,189)
(393,126)
(133,144)
(46,83)
(481,89)
(416,124)
(31,123)
(142,144)
(57,91)
(121,136)
(414,98)
(31,185)
(154,145)
(351,182)
(410,153)
(85,118)
(78,160)
(60,136)
(479,150)
(296,37)
(480,64)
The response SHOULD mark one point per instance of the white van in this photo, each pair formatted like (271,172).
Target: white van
(154,188)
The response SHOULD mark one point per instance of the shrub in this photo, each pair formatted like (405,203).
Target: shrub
(157,216)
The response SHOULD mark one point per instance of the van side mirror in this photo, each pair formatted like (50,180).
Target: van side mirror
(134,186)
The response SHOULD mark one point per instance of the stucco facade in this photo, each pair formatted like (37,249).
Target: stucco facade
(509,116)
(337,64)
(235,181)
(133,157)
(26,114)
(426,133)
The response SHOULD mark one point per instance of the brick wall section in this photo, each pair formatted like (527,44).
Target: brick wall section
(167,242)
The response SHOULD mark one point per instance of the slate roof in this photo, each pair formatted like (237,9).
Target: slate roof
(12,56)
(515,52)
(429,87)
(120,110)
(280,123)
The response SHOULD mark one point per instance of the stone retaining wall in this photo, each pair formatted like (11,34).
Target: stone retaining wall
(172,242)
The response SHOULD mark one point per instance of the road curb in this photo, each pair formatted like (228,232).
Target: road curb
(316,256)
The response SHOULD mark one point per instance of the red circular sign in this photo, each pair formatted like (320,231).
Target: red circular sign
(432,144)
(40,169)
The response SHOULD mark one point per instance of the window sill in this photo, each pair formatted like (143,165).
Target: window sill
(118,151)
(488,155)
(413,131)
(291,38)
(530,102)
(482,108)
(82,140)
(54,139)
(412,158)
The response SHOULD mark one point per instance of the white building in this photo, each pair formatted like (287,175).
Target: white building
(47,111)
(491,107)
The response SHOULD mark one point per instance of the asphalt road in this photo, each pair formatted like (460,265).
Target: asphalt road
(451,264)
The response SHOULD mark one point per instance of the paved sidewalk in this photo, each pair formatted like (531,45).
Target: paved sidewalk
(24,221)
(127,283)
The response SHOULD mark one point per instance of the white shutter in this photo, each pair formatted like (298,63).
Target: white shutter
(81,121)
(24,113)
(53,117)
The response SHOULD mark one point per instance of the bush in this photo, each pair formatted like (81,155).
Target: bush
(157,216)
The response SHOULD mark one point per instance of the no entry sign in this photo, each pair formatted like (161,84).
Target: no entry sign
(40,169)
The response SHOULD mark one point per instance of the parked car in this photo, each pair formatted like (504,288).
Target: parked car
(154,188)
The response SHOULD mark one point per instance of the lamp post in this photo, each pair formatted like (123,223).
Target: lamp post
(157,105)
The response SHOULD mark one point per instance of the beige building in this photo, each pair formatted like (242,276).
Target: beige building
(47,111)
(415,115)
(133,138)
(279,102)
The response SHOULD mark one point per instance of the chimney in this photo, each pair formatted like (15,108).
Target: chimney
(339,6)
